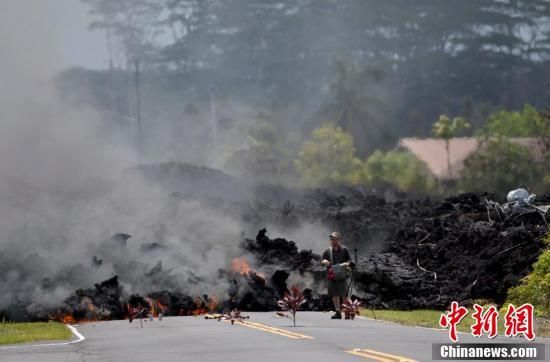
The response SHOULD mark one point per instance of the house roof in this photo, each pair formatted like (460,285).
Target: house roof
(432,152)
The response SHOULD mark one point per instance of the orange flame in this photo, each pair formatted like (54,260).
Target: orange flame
(200,307)
(162,308)
(152,310)
(127,311)
(68,319)
(212,303)
(91,309)
(240,265)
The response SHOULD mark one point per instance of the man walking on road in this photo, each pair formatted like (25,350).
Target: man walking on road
(336,258)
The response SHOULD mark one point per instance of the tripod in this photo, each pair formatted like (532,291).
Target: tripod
(352,280)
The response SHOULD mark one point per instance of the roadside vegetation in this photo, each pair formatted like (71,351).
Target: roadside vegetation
(335,115)
(430,319)
(535,288)
(14,333)
(514,145)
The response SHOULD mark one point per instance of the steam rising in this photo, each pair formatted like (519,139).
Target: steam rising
(64,191)
(67,197)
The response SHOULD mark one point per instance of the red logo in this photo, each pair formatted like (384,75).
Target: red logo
(485,322)
(516,321)
(452,319)
(519,321)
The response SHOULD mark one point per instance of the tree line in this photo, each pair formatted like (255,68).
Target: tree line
(483,49)
(375,70)
(328,157)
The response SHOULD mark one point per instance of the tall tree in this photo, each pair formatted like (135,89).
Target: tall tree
(500,165)
(355,107)
(281,54)
(130,25)
(329,158)
(446,129)
(188,23)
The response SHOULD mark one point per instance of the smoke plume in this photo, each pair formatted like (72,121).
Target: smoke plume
(65,190)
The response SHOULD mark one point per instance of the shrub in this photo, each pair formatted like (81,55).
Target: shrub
(499,166)
(535,288)
(400,169)
(264,156)
(329,158)
(525,123)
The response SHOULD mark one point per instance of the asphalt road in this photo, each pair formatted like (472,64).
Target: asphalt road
(265,337)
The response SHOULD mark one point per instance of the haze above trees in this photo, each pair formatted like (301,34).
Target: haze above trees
(218,71)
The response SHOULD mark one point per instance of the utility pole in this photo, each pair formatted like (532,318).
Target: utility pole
(213,117)
(138,104)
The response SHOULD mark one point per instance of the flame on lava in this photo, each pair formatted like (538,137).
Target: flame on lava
(161,307)
(212,303)
(85,312)
(240,265)
(67,319)
(261,275)
(200,307)
(127,311)
(91,309)
(152,309)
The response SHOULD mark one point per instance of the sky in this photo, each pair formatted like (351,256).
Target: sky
(79,45)
(62,26)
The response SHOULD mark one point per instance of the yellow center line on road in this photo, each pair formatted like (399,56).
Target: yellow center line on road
(378,356)
(278,331)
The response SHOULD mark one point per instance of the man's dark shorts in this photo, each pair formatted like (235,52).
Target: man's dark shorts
(336,288)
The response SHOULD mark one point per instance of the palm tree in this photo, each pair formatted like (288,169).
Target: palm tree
(446,129)
(352,104)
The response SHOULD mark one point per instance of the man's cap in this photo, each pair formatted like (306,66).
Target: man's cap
(335,235)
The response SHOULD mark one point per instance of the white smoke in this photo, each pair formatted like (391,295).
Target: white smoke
(64,191)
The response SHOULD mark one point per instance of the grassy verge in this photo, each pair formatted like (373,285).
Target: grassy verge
(430,318)
(12,333)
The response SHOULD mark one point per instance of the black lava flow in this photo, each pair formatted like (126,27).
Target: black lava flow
(412,254)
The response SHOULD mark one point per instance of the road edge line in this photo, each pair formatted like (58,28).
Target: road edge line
(77,334)
(404,325)
(545,339)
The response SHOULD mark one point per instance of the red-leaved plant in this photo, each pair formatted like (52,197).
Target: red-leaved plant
(233,316)
(292,300)
(351,308)
(136,312)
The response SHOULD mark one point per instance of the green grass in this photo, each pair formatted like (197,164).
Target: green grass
(13,333)
(430,318)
